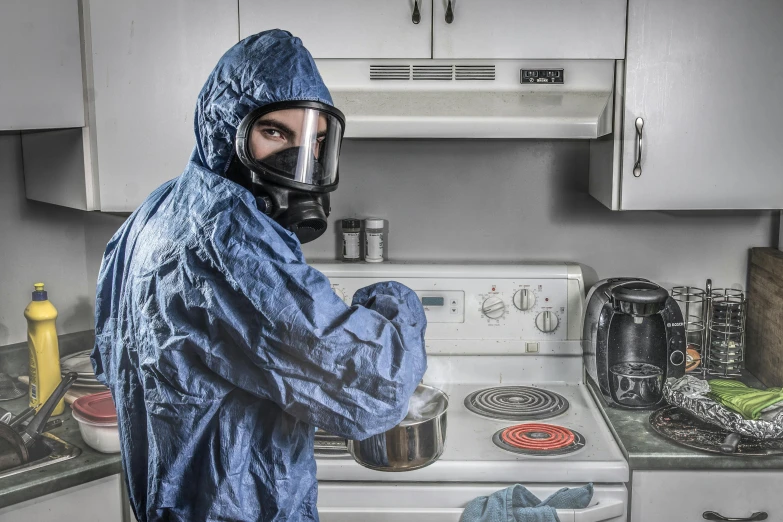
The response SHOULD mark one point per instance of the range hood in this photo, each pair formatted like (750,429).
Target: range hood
(472,98)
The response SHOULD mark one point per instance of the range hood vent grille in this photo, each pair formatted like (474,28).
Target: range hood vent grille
(432,72)
(390,72)
(474,72)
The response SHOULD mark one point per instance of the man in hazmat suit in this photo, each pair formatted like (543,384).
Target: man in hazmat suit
(222,348)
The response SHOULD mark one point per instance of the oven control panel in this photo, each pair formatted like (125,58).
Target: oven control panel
(477,306)
(443,306)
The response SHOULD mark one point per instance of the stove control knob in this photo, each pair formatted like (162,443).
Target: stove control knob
(524,299)
(493,307)
(547,321)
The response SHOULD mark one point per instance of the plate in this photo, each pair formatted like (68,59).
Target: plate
(680,426)
(87,381)
(87,385)
(78,362)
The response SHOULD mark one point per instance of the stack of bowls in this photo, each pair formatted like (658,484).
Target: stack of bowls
(80,363)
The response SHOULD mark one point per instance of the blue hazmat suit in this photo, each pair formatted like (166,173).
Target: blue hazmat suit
(222,348)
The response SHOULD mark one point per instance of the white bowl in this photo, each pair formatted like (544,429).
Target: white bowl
(103,437)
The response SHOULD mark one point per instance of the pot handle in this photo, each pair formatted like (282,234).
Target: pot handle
(36,426)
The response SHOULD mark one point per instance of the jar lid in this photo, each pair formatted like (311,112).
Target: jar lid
(98,407)
(373,223)
(351,223)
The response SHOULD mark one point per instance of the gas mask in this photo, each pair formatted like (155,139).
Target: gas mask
(286,155)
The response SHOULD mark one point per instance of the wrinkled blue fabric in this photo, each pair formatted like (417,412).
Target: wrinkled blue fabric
(517,504)
(222,347)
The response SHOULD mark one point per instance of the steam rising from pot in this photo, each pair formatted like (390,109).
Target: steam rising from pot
(425,403)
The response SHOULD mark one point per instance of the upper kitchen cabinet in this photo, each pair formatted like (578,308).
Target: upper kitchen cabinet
(346,28)
(701,116)
(40,65)
(150,60)
(145,63)
(530,29)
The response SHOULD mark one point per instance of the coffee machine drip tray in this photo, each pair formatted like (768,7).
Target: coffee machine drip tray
(516,403)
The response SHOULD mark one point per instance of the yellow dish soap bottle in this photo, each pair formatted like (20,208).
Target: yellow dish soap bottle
(44,349)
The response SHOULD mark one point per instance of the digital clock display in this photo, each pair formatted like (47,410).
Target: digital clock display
(432,301)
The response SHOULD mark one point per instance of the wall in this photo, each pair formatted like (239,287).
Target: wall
(38,242)
(494,200)
(506,200)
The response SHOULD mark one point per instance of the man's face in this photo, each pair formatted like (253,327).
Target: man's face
(280,130)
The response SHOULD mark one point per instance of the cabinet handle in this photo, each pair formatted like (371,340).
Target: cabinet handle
(637,168)
(712,515)
(449,13)
(416,18)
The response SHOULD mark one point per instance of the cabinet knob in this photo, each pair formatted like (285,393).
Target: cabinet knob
(637,168)
(416,18)
(449,13)
(712,515)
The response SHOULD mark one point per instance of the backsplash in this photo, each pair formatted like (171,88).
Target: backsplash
(513,200)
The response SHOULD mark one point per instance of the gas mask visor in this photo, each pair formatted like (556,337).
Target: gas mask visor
(294,144)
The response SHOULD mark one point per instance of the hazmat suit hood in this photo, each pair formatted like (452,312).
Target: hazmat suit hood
(271,71)
(268,67)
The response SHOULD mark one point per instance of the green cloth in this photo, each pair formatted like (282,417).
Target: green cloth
(746,401)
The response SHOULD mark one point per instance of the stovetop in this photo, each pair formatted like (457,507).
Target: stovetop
(470,453)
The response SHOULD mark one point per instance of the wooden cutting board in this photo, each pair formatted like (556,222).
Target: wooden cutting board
(71,395)
(764,339)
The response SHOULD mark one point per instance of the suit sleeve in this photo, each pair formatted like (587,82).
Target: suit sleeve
(277,330)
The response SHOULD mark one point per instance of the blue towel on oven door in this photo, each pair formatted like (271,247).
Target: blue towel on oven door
(518,504)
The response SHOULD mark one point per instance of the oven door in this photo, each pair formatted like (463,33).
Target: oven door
(390,502)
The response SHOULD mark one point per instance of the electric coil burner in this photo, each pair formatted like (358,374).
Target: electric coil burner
(539,440)
(516,403)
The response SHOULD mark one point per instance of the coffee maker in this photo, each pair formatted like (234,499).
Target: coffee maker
(633,340)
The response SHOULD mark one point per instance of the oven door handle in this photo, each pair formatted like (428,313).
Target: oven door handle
(599,512)
(346,514)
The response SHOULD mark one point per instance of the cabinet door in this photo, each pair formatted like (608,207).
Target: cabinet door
(684,496)
(545,29)
(706,76)
(345,28)
(40,65)
(96,501)
(150,60)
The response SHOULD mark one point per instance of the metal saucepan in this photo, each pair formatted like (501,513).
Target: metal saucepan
(414,443)
(14,446)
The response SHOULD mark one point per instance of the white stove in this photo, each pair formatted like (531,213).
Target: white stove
(512,327)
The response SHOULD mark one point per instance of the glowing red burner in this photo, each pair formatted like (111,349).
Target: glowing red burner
(539,439)
(537,436)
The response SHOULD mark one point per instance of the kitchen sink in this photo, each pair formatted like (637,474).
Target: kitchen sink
(47,450)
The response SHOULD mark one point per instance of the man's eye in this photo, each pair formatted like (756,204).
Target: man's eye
(273,133)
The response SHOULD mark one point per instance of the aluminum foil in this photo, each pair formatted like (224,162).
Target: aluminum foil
(715,413)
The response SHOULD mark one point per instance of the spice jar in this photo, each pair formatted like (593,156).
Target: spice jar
(373,240)
(352,229)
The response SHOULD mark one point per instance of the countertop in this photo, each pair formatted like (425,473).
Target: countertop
(644,449)
(90,465)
